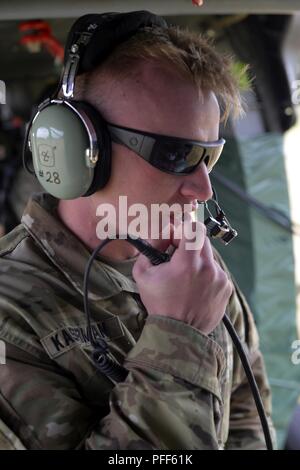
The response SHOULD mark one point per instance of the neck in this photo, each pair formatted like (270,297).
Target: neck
(79,216)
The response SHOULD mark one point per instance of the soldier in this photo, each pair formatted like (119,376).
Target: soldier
(185,387)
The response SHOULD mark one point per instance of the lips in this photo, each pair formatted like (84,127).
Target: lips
(192,204)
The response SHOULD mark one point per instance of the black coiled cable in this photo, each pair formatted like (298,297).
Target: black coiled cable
(102,359)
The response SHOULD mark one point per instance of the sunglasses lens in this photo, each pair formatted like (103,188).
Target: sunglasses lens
(183,158)
(213,155)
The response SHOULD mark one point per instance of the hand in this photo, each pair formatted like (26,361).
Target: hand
(191,288)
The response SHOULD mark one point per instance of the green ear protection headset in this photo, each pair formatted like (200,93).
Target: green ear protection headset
(68,139)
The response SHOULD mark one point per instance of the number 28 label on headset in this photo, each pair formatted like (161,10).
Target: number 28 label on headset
(46,155)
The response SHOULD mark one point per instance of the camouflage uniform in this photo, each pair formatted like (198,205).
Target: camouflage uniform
(184,390)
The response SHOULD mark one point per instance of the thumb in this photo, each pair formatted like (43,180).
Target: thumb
(192,237)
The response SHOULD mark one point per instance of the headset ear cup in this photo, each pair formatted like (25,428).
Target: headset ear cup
(103,166)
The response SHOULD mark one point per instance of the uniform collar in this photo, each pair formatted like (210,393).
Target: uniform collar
(69,254)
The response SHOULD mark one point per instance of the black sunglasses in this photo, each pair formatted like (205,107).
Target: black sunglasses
(170,154)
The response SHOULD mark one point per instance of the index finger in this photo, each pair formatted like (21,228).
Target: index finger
(207,253)
(191,242)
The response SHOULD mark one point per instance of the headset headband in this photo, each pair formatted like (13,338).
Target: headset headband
(93,37)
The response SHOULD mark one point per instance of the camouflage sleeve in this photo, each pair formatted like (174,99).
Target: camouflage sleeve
(170,399)
(245,430)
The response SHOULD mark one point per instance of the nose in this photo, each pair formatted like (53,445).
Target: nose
(197,185)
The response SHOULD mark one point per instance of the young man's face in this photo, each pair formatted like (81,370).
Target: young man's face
(160,102)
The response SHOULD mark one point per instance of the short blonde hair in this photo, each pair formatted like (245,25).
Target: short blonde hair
(193,55)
